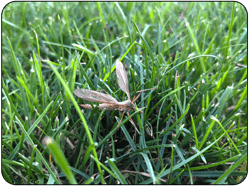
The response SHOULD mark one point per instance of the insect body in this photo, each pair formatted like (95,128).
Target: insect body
(108,102)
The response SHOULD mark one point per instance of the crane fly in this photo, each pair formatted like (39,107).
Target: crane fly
(107,101)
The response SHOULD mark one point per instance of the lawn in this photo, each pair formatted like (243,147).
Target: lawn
(189,128)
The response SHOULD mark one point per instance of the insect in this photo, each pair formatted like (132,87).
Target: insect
(107,101)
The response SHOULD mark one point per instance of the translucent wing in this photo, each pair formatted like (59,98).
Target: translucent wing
(91,95)
(122,77)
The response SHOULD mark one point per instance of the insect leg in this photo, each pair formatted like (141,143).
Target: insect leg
(140,91)
(135,98)
(120,120)
(133,125)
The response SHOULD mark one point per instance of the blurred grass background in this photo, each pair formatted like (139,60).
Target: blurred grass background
(193,129)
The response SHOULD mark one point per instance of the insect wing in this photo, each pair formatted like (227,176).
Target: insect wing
(122,77)
(91,95)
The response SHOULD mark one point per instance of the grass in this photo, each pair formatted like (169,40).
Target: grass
(193,129)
